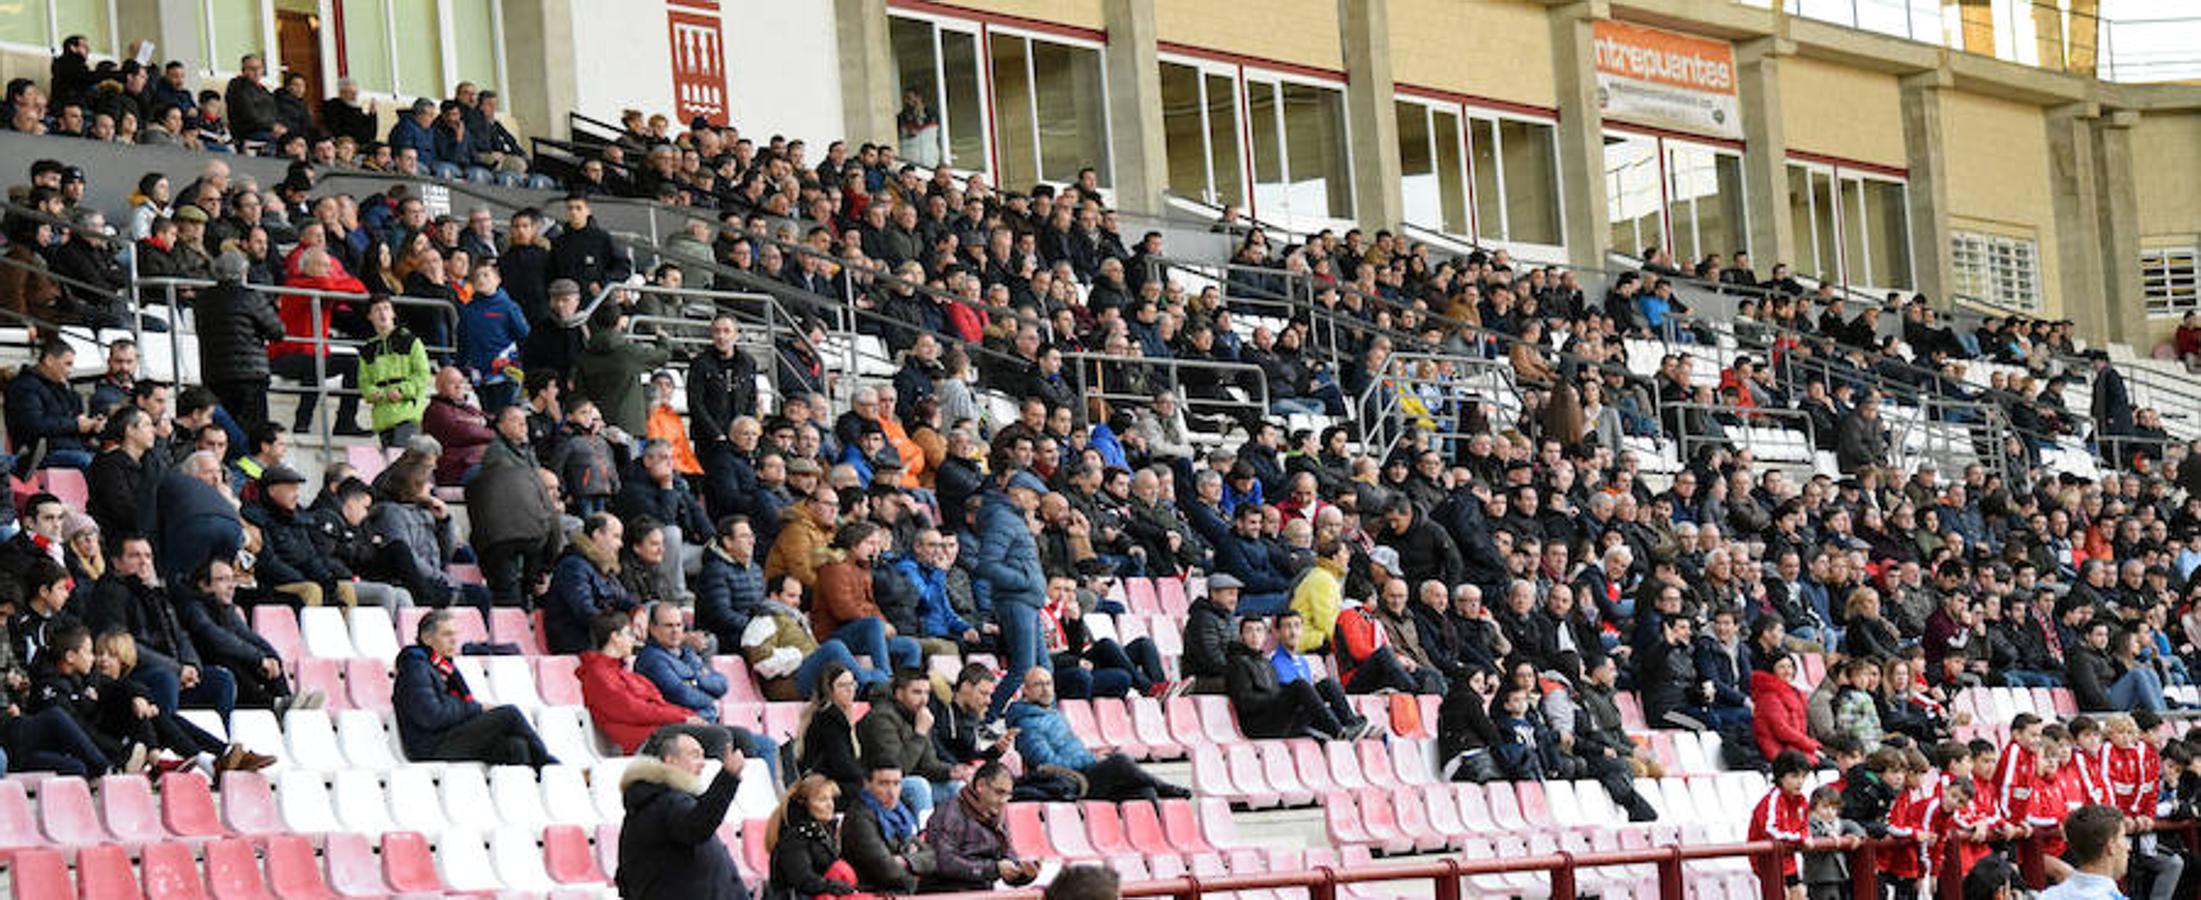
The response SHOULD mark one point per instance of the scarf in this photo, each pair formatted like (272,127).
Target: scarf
(898,825)
(453,683)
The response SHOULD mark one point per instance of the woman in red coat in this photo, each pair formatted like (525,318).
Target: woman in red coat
(626,706)
(1777,711)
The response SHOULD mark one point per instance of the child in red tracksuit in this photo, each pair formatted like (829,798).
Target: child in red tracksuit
(2046,808)
(1967,819)
(2131,769)
(1910,819)
(2018,769)
(1784,814)
(2082,773)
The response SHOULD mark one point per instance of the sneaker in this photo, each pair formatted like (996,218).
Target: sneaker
(1370,731)
(140,755)
(311,698)
(1177,689)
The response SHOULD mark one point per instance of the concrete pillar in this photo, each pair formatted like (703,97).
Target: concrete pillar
(1371,114)
(869,78)
(1581,131)
(1138,143)
(2119,214)
(1765,151)
(2076,198)
(1925,152)
(544,85)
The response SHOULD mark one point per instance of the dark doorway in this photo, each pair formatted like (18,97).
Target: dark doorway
(298,48)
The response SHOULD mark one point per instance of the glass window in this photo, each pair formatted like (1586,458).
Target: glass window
(1995,270)
(420,54)
(1444,131)
(917,67)
(1013,127)
(1887,234)
(1073,117)
(1823,227)
(367,44)
(1705,202)
(85,17)
(24,22)
(1268,151)
(474,27)
(1801,221)
(1531,181)
(1417,167)
(1222,128)
(236,32)
(1184,131)
(966,115)
(1314,131)
(1632,191)
(1490,201)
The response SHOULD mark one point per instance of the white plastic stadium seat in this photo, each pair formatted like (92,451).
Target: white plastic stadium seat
(360,804)
(373,634)
(366,743)
(312,740)
(464,862)
(466,799)
(325,632)
(413,802)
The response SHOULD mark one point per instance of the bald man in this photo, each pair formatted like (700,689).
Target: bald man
(1044,738)
(458,424)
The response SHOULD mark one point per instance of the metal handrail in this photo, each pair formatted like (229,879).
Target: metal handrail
(1379,406)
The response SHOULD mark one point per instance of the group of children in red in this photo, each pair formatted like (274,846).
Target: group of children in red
(1974,794)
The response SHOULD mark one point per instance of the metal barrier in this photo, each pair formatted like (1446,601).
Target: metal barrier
(1380,408)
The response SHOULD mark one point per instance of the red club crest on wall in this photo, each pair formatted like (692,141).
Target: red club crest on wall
(699,60)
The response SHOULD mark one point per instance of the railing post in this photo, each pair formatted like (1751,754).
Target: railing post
(1562,877)
(1864,872)
(1767,864)
(1191,889)
(1670,884)
(326,416)
(1448,884)
(175,339)
(1325,885)
(2030,865)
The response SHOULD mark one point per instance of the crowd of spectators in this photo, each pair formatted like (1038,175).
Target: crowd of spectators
(1511,558)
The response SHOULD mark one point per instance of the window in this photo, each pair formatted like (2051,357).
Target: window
(1633,193)
(28,23)
(1050,110)
(940,65)
(1201,123)
(417,63)
(90,18)
(1850,228)
(234,28)
(1510,164)
(2168,279)
(1996,270)
(1704,202)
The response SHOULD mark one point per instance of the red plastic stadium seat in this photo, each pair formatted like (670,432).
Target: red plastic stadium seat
(1414,818)
(169,870)
(65,811)
(1474,807)
(187,806)
(407,865)
(1221,829)
(1245,772)
(40,875)
(1505,807)
(326,676)
(558,679)
(368,683)
(1535,807)
(126,802)
(248,804)
(18,825)
(103,873)
(1027,833)
(67,485)
(1114,726)
(1375,762)
(1104,824)
(353,869)
(1218,720)
(740,685)
(1281,774)
(1631,712)
(279,624)
(233,871)
(1066,830)
(1341,817)
(1142,826)
(1079,715)
(1182,826)
(607,849)
(566,856)
(1184,722)
(1382,821)
(1211,773)
(1141,597)
(1152,726)
(753,851)
(468,619)
(510,625)
(1171,591)
(1314,766)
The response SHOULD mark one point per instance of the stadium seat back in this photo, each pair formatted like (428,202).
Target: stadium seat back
(1104,827)
(248,804)
(374,635)
(558,679)
(326,634)
(567,858)
(607,849)
(311,736)
(1066,831)
(18,825)
(414,805)
(1181,827)
(304,798)
(518,797)
(357,796)
(1281,773)
(517,860)
(39,874)
(65,811)
(566,731)
(566,799)
(368,683)
(169,870)
(327,676)
(1245,773)
(467,801)
(259,730)
(365,742)
(103,873)
(514,679)
(410,867)
(1027,831)
(126,802)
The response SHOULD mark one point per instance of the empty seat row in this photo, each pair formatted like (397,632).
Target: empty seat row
(1303,771)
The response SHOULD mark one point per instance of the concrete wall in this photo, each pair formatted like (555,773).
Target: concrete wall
(1304,32)
(1999,178)
(2166,161)
(783,69)
(1498,49)
(1839,111)
(1075,13)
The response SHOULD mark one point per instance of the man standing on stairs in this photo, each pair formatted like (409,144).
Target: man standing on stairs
(585,253)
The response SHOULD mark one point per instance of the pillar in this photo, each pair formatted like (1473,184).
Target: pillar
(1138,142)
(1925,151)
(1371,113)
(544,85)
(2119,208)
(1765,151)
(1581,131)
(2076,198)
(869,78)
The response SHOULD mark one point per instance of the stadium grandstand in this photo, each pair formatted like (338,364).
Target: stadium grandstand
(1094,448)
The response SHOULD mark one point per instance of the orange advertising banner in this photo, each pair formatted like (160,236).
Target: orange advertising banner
(1666,79)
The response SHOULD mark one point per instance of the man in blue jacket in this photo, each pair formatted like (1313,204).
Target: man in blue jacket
(416,130)
(437,715)
(584,584)
(670,663)
(1044,738)
(45,414)
(1243,554)
(491,329)
(927,569)
(1007,563)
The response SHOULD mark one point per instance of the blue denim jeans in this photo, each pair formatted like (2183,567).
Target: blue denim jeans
(2030,679)
(806,675)
(51,741)
(1021,648)
(216,690)
(2138,688)
(869,638)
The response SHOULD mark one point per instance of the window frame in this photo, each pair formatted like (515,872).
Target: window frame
(447,61)
(1204,69)
(1839,173)
(982,52)
(985,29)
(52,47)
(212,67)
(1471,116)
(1984,248)
(2180,288)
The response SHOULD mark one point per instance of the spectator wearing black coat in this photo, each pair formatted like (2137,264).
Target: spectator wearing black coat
(525,265)
(208,610)
(556,342)
(722,386)
(92,278)
(1425,551)
(437,715)
(46,421)
(290,560)
(119,480)
(252,115)
(668,840)
(235,327)
(584,252)
(1209,635)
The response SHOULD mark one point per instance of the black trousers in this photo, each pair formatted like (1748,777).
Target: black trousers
(499,737)
(246,399)
(512,567)
(1116,777)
